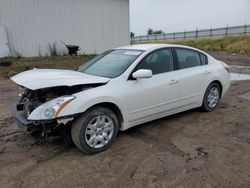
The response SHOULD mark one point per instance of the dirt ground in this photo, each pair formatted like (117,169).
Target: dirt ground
(232,58)
(190,149)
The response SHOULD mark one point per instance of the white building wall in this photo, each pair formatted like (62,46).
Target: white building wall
(94,25)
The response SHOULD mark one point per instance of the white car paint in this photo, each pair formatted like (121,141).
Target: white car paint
(146,100)
(45,78)
(140,100)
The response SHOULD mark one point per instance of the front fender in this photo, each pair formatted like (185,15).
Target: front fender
(86,99)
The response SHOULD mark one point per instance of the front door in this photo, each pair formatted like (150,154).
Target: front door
(150,97)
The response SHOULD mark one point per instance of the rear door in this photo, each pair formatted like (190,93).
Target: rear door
(192,75)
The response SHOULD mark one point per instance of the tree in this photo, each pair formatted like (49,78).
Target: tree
(158,32)
(154,32)
(132,34)
(150,31)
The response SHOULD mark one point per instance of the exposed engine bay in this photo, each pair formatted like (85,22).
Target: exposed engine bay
(32,99)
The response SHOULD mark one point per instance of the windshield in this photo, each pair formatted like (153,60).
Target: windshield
(111,63)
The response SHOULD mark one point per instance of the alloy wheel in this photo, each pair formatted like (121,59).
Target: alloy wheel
(99,131)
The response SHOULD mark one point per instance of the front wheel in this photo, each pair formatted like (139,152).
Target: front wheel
(211,97)
(95,130)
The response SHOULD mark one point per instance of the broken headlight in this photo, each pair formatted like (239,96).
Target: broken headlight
(21,91)
(51,109)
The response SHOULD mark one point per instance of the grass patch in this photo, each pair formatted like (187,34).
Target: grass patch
(53,62)
(234,44)
(52,49)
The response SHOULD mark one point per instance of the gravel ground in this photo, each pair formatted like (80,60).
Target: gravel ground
(190,149)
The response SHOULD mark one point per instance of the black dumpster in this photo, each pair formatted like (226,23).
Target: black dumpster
(72,49)
(5,63)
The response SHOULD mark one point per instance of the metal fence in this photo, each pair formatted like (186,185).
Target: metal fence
(204,33)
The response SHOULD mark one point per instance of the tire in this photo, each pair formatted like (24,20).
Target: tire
(213,91)
(90,131)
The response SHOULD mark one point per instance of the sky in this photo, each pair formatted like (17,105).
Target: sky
(179,15)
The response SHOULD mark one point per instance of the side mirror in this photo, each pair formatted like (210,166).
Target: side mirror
(142,73)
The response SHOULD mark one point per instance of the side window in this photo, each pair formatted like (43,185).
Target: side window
(203,59)
(159,61)
(188,58)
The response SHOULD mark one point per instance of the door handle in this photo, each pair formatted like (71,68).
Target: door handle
(172,82)
(207,72)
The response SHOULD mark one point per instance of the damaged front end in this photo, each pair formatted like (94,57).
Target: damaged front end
(43,95)
(36,113)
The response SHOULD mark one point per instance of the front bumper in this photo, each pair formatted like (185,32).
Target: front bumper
(29,126)
(21,121)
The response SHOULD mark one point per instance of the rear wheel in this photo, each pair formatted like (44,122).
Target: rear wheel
(211,97)
(95,130)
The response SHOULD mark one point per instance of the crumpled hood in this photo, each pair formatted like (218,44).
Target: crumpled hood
(45,78)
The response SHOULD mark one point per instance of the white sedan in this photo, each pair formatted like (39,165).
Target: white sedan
(118,89)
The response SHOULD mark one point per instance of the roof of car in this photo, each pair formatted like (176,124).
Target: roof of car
(142,46)
(146,47)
